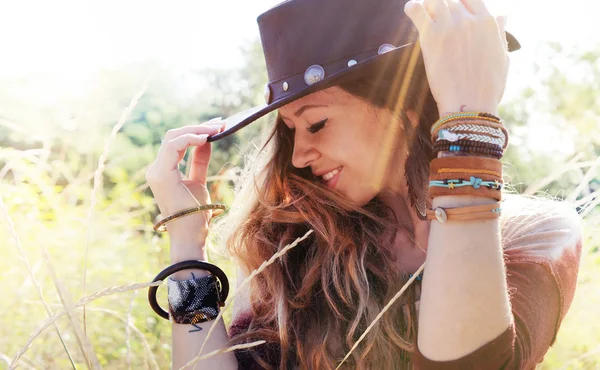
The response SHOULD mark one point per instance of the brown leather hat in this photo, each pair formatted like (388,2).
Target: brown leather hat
(310,45)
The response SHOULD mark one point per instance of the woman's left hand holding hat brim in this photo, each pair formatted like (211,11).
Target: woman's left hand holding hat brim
(465,53)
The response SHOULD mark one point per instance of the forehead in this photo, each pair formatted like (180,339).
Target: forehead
(332,96)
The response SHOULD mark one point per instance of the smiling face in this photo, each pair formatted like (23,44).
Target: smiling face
(346,142)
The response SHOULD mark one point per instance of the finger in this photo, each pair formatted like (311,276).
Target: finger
(171,152)
(476,7)
(437,9)
(417,14)
(192,129)
(199,164)
(457,8)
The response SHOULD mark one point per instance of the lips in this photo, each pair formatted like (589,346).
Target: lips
(331,178)
(329,175)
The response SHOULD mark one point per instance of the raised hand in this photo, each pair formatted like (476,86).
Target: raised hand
(169,185)
(465,53)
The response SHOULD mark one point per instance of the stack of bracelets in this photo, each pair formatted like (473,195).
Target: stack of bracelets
(476,142)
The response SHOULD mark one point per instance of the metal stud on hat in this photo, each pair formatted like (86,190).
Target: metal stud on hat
(285,86)
(313,74)
(351,62)
(267,93)
(385,48)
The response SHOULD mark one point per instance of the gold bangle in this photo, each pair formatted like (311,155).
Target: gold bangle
(161,227)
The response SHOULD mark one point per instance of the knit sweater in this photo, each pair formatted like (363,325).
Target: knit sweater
(542,243)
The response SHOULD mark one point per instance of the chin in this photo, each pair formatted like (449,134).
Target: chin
(361,196)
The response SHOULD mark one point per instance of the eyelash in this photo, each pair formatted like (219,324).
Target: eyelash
(316,127)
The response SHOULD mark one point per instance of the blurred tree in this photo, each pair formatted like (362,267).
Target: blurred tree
(563,107)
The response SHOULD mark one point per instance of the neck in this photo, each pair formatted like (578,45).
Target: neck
(411,239)
(398,203)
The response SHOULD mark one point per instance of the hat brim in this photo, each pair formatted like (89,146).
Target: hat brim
(242,119)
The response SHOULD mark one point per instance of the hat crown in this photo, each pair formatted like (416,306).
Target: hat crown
(297,34)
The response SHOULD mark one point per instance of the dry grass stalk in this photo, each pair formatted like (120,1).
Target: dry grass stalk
(84,344)
(98,178)
(543,182)
(232,348)
(387,306)
(130,326)
(584,182)
(128,330)
(246,281)
(13,233)
(23,362)
(82,302)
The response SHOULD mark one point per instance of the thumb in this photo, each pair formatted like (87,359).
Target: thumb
(415,10)
(200,161)
(502,20)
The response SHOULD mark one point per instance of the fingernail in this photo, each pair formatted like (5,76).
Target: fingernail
(215,119)
(203,136)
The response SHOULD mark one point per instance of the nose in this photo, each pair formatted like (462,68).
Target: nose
(304,151)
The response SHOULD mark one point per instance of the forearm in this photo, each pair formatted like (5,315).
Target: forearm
(188,339)
(464,300)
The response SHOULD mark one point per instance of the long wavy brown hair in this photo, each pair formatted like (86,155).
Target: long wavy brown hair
(313,304)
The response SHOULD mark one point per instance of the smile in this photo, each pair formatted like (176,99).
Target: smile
(331,178)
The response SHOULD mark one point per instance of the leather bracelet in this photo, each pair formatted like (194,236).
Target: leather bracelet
(481,212)
(161,227)
(463,167)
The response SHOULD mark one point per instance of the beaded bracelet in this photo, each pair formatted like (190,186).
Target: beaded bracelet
(467,148)
(483,151)
(468,143)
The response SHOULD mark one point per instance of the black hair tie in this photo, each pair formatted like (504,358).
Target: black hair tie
(219,296)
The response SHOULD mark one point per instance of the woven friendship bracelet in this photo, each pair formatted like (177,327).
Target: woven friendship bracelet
(451,136)
(466,126)
(474,128)
(161,227)
(465,115)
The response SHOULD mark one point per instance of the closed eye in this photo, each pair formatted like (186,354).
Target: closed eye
(315,127)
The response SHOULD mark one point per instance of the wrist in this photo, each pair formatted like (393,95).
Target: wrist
(445,109)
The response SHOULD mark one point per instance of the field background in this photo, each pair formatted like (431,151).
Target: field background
(74,148)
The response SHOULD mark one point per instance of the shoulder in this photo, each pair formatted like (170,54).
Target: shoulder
(540,228)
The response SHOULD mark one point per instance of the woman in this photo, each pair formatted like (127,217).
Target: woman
(367,151)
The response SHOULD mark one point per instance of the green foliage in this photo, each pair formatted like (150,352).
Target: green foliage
(49,152)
